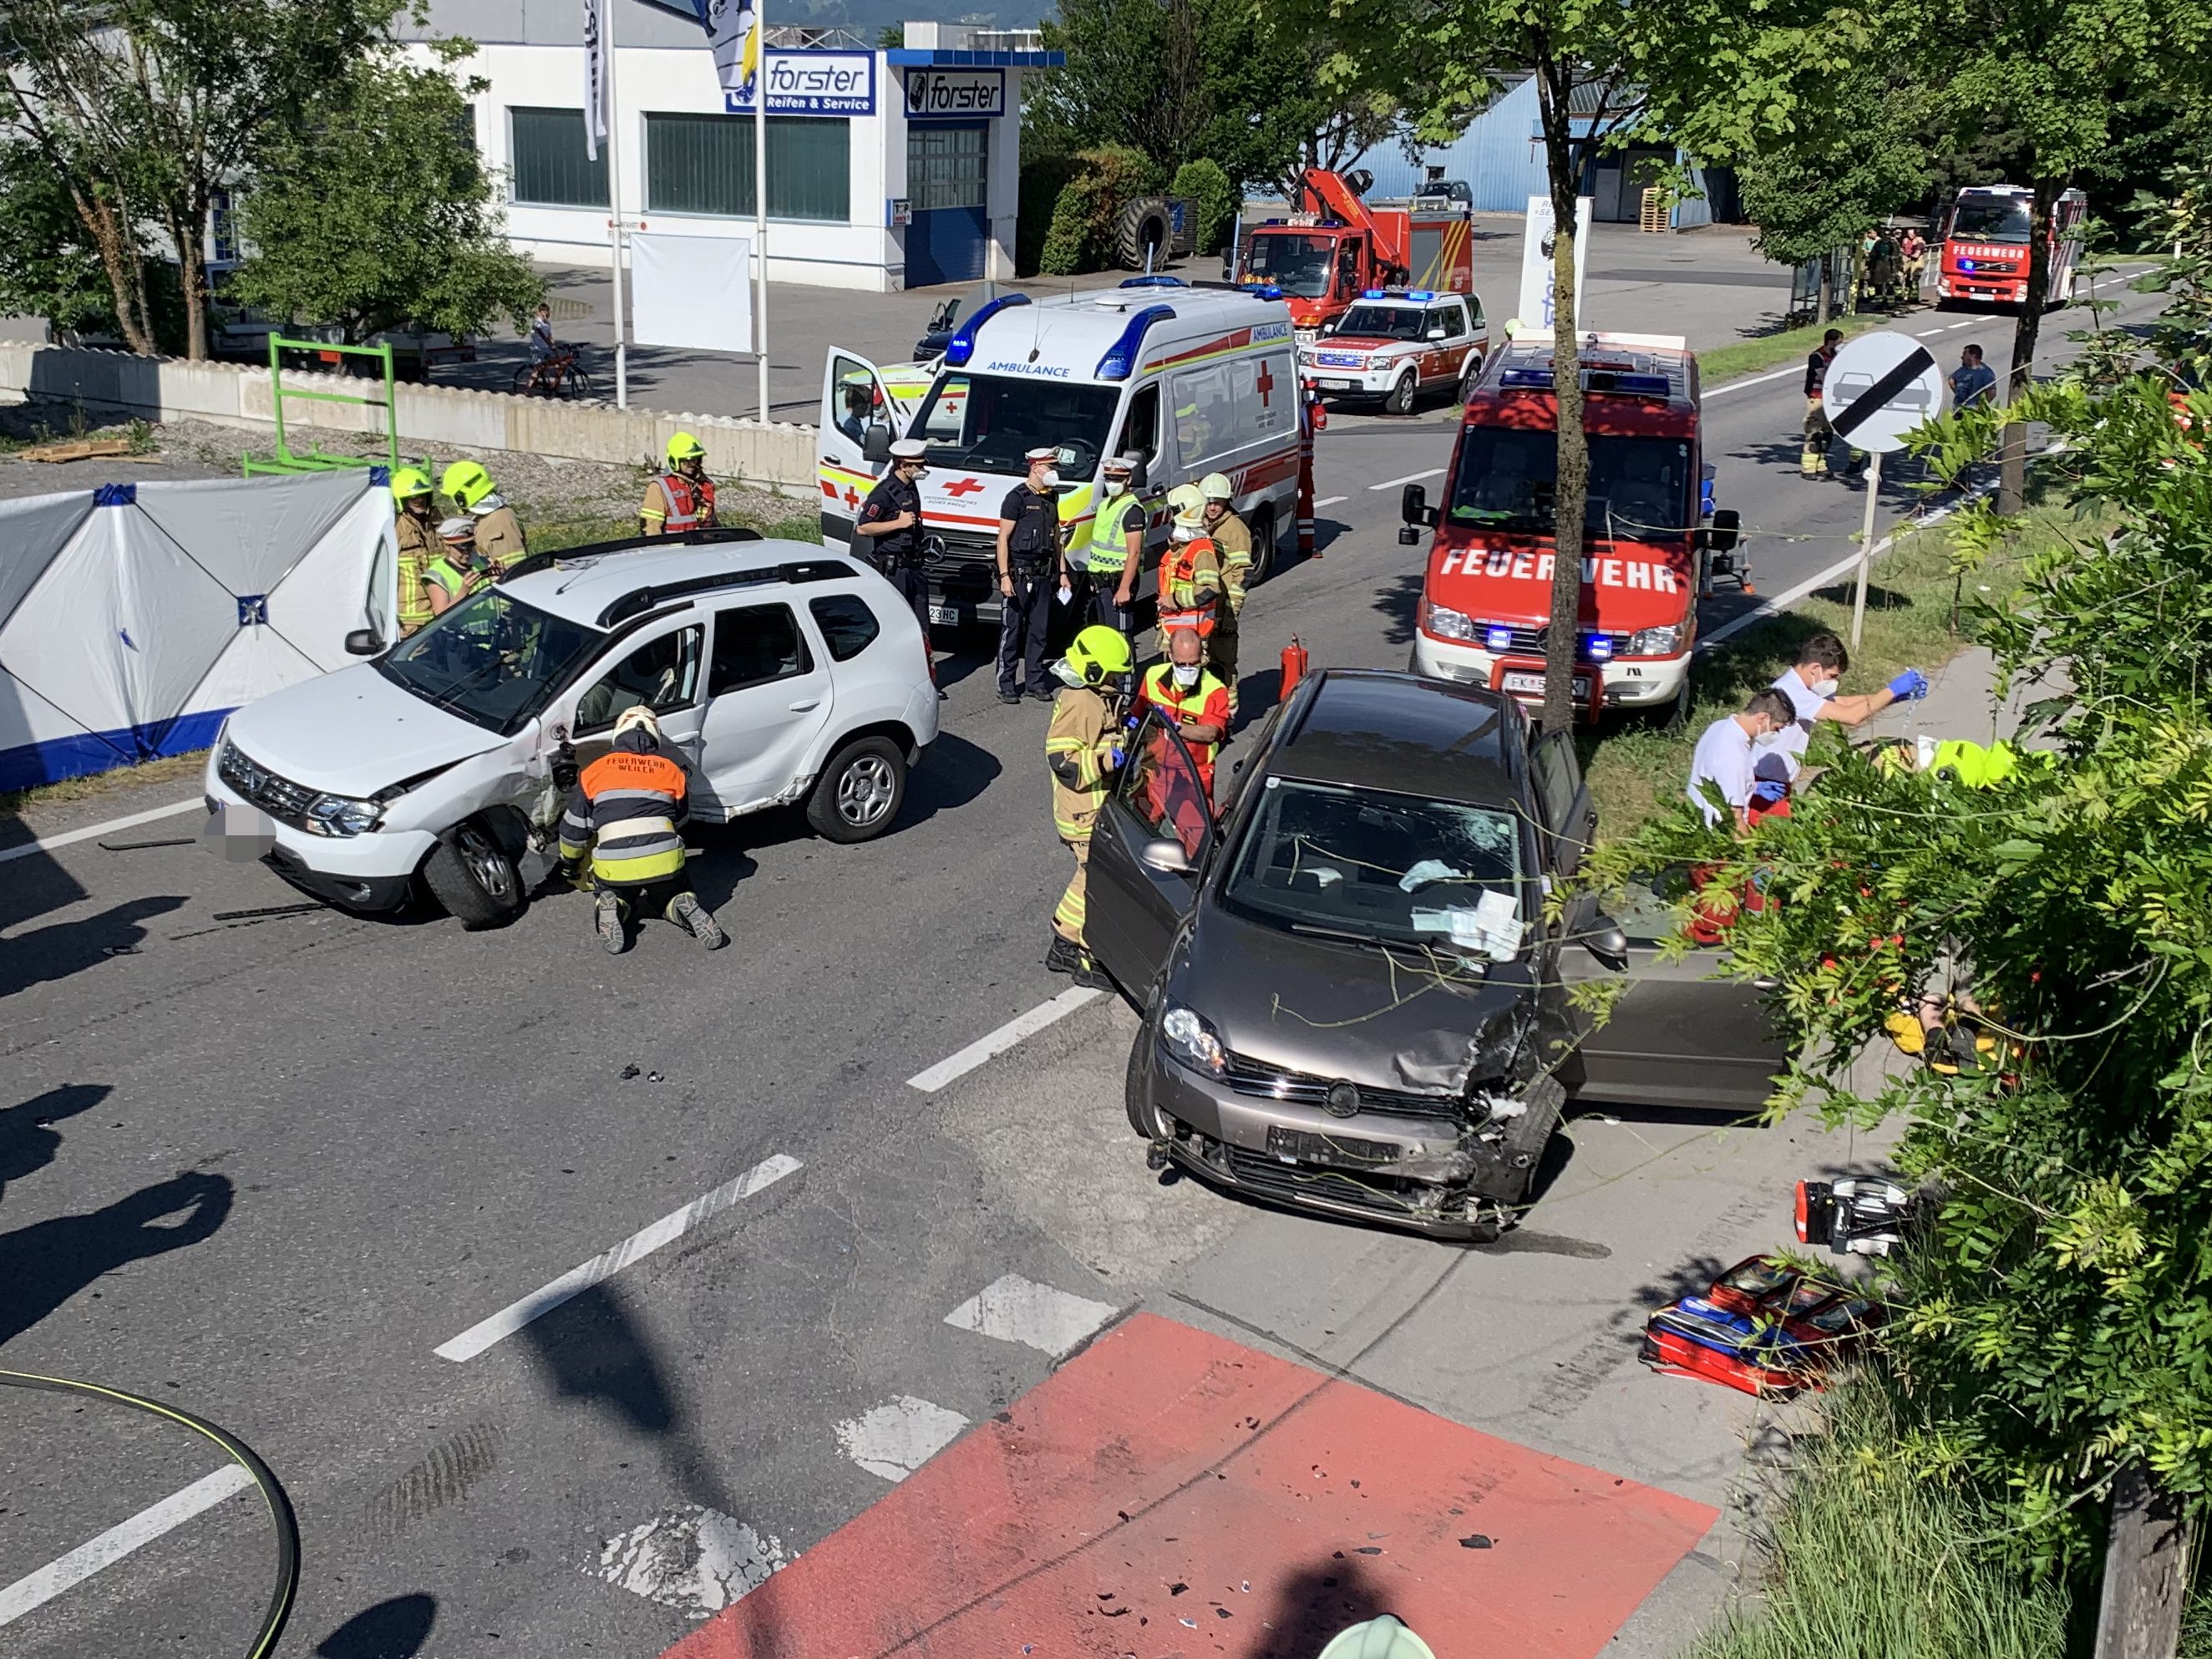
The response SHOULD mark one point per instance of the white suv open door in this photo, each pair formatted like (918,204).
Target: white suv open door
(855,429)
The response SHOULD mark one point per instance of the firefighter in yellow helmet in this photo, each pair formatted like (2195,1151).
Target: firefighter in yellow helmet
(499,532)
(1190,570)
(1083,749)
(416,527)
(1232,542)
(682,497)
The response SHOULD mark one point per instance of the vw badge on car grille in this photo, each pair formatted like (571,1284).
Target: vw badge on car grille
(1342,1100)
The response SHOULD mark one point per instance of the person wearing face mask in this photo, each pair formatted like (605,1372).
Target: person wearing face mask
(1810,686)
(1190,571)
(1083,751)
(1190,698)
(1232,539)
(1117,548)
(1721,777)
(891,524)
(1032,569)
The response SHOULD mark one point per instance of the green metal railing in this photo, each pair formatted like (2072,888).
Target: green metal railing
(313,459)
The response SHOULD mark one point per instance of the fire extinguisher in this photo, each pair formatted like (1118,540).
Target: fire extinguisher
(1294,667)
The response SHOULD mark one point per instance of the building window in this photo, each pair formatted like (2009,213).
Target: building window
(549,166)
(704,164)
(946,167)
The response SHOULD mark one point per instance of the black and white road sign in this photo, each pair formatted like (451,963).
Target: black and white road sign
(1880,386)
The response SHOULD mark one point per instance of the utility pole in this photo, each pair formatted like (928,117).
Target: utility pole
(760,203)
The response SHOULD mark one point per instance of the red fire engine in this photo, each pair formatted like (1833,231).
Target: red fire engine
(1986,237)
(1652,539)
(1336,246)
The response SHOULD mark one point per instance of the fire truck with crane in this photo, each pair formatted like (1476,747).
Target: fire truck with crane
(1335,246)
(1654,541)
(1987,235)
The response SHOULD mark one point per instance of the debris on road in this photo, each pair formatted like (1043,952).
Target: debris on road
(264,912)
(144,846)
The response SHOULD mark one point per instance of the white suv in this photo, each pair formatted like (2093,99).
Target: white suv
(780,674)
(1395,343)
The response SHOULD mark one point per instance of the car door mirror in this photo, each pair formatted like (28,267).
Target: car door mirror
(363,642)
(876,443)
(1604,938)
(1413,507)
(1437,331)
(1166,856)
(1725,531)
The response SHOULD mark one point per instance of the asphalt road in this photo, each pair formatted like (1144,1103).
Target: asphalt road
(265,1168)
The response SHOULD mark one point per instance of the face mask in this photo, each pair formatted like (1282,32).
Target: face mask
(1065,675)
(1186,675)
(1051,478)
(1183,532)
(1116,486)
(1824,688)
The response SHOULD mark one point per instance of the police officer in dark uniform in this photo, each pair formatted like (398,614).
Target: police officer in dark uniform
(1032,572)
(890,523)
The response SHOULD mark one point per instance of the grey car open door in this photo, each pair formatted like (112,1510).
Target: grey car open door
(1152,840)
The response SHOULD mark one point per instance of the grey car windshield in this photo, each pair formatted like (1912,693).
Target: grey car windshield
(1639,488)
(1398,868)
(987,423)
(1296,265)
(1992,219)
(491,660)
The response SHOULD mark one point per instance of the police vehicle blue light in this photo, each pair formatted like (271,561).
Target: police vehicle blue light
(1498,637)
(1598,648)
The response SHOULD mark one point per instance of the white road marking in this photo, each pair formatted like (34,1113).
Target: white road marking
(71,837)
(997,1042)
(1925,332)
(1971,322)
(695,1560)
(1329,501)
(1410,478)
(893,1441)
(1727,386)
(118,1541)
(605,1266)
(1017,1310)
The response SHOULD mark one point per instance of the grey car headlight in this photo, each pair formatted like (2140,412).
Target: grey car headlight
(341,815)
(1186,1035)
(1656,641)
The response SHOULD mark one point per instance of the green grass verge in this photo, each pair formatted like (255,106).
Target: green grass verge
(183,770)
(1733,362)
(1637,770)
(1864,1560)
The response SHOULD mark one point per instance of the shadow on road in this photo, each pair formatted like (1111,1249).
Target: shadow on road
(45,1264)
(1397,601)
(598,1353)
(397,1629)
(64,948)
(28,1142)
(1311,1604)
(955,772)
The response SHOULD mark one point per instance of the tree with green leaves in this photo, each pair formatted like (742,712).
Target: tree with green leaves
(146,109)
(379,212)
(49,267)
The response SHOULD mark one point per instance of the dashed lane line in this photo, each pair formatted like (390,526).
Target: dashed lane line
(1329,501)
(1017,1030)
(605,1266)
(38,1588)
(1410,478)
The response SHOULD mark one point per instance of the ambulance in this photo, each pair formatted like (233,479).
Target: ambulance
(1653,537)
(1193,379)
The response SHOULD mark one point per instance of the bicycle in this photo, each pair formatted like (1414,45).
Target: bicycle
(560,375)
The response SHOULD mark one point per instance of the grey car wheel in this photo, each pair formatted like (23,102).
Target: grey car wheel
(1400,400)
(470,874)
(859,791)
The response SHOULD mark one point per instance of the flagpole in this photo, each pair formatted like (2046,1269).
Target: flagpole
(760,201)
(614,202)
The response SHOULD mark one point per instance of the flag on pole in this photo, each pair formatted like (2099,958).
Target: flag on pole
(595,76)
(734,28)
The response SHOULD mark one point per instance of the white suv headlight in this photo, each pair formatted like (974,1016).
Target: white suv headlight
(1192,1040)
(1447,624)
(341,815)
(1654,642)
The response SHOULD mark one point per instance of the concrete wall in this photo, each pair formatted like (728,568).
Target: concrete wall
(448,421)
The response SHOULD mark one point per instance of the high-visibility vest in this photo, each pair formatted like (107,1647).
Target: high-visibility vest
(1182,603)
(1110,534)
(690,505)
(1171,700)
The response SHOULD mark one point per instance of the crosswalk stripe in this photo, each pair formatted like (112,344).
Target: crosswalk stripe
(693,1559)
(1017,1310)
(896,1438)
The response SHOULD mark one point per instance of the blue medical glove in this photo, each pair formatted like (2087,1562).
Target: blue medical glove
(1909,686)
(1767,791)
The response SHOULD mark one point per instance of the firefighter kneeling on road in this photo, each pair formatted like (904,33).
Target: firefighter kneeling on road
(627,811)
(1082,748)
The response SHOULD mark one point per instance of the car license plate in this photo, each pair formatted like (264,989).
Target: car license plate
(1532,684)
(1290,1145)
(1336,386)
(944,615)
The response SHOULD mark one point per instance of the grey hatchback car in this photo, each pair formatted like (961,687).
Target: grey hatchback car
(1352,1001)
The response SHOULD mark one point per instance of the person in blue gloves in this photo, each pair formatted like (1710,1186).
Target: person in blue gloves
(1810,685)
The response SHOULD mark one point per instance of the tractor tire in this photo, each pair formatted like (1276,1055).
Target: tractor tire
(1143,225)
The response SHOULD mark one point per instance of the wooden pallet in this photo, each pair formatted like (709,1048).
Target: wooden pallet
(80,449)
(1654,216)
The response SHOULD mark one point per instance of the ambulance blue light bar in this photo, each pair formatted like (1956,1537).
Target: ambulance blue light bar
(1121,357)
(1390,293)
(1155,281)
(961,346)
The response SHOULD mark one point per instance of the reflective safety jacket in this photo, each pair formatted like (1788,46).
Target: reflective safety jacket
(1206,702)
(1233,538)
(674,504)
(1079,748)
(1109,536)
(628,811)
(499,538)
(1190,583)
(419,548)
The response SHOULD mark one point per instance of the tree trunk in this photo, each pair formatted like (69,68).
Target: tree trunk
(185,230)
(1827,297)
(2146,1571)
(1571,489)
(126,277)
(2012,471)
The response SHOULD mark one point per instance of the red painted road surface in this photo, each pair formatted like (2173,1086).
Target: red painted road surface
(1169,1493)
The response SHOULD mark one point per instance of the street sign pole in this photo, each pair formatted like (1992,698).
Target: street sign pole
(760,199)
(614,203)
(1866,548)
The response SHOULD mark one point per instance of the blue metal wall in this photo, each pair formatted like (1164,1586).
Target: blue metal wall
(1495,155)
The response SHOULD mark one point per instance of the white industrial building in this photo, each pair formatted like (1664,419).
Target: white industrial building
(889,168)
